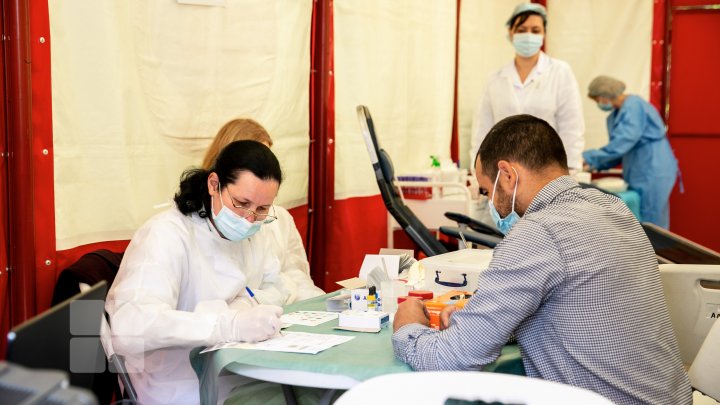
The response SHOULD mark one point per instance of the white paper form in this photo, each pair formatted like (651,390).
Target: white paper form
(293,342)
(389,263)
(308,318)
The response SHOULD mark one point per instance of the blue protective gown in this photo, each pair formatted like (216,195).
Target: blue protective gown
(637,139)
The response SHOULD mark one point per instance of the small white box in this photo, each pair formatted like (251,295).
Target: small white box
(363,319)
(458,270)
(358,299)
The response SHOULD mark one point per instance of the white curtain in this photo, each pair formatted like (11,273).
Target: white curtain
(398,58)
(141,87)
(608,37)
(484,48)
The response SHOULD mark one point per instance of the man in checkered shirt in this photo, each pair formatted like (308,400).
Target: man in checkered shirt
(575,281)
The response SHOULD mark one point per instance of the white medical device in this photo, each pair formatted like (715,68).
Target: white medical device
(456,270)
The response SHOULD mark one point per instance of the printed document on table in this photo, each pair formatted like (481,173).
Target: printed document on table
(292,342)
(308,318)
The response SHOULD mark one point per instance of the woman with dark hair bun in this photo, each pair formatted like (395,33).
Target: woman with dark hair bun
(285,241)
(187,277)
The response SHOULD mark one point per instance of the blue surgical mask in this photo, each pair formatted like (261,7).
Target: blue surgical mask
(527,44)
(605,106)
(504,224)
(233,226)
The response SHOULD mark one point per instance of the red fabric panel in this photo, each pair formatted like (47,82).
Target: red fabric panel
(682,3)
(694,104)
(42,150)
(692,214)
(300,216)
(693,126)
(4,225)
(359,228)
(657,59)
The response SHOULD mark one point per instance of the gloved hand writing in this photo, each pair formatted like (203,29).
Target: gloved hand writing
(250,325)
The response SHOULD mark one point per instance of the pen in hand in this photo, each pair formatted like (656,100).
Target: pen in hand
(256,302)
(252,296)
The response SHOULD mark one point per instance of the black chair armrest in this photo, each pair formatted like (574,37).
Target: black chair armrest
(471,236)
(474,224)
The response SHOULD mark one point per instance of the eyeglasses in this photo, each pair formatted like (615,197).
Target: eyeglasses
(265,218)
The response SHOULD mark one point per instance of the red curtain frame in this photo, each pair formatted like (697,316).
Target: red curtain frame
(42,154)
(322,140)
(21,223)
(658,62)
(4,198)
(455,139)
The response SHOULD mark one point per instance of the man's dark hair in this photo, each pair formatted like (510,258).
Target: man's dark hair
(525,139)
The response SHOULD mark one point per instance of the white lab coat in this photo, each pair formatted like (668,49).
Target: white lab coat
(176,279)
(286,244)
(550,92)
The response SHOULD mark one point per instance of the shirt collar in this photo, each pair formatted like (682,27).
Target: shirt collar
(510,71)
(550,192)
(543,63)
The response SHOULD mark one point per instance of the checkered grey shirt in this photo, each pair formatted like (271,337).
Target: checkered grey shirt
(577,282)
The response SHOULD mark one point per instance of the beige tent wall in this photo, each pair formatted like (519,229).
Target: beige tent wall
(141,87)
(610,37)
(136,100)
(484,48)
(397,58)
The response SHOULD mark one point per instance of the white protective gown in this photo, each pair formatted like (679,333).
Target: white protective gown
(550,92)
(177,276)
(287,246)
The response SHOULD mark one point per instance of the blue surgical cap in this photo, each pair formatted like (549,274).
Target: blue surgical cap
(525,7)
(606,86)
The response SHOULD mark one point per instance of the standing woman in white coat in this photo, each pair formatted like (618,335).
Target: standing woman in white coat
(285,241)
(534,84)
(182,282)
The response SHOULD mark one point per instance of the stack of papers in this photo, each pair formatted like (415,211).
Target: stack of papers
(338,303)
(308,318)
(292,342)
(406,261)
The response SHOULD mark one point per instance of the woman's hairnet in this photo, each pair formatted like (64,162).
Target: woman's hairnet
(524,7)
(606,86)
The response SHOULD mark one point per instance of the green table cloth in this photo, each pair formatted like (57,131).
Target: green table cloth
(366,356)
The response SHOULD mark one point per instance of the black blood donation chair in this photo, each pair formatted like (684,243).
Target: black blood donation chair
(415,229)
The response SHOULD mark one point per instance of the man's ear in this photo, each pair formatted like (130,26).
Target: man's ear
(507,176)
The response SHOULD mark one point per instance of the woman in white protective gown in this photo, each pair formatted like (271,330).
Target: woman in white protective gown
(182,282)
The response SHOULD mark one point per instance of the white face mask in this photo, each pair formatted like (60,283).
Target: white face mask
(527,44)
(233,226)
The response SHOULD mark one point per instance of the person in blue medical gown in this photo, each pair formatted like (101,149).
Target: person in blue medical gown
(638,141)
